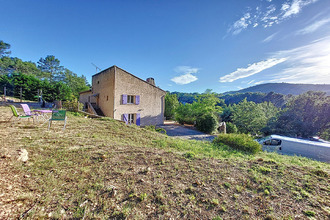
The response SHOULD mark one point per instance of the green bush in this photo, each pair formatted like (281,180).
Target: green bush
(189,155)
(231,128)
(153,128)
(73,105)
(150,127)
(206,123)
(240,142)
(309,213)
(325,134)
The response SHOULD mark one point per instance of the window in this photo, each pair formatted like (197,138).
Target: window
(275,142)
(130,99)
(267,142)
(130,119)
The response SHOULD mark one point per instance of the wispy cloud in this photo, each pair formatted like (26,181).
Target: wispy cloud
(306,64)
(313,27)
(259,82)
(251,69)
(240,24)
(186,76)
(186,69)
(268,15)
(295,7)
(269,38)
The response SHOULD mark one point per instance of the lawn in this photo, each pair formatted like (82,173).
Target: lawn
(101,168)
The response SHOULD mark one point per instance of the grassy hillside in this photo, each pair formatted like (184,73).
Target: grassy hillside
(285,88)
(105,169)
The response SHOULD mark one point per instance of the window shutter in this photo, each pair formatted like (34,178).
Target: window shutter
(125,118)
(137,100)
(124,99)
(138,119)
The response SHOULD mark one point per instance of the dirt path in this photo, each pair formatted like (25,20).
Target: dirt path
(175,130)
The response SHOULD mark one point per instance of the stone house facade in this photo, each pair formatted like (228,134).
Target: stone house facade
(123,96)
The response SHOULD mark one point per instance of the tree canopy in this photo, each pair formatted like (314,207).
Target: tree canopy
(171,103)
(305,115)
(250,117)
(56,82)
(4,49)
(51,69)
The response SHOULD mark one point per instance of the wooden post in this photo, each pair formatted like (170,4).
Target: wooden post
(20,94)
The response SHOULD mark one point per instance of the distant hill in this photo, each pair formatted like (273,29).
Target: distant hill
(285,88)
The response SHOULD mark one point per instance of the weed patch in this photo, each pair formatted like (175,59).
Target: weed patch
(240,142)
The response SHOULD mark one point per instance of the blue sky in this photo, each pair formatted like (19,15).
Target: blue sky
(186,45)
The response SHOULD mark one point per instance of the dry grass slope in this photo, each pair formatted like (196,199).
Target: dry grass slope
(105,169)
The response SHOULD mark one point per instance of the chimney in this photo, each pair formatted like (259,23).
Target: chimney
(151,81)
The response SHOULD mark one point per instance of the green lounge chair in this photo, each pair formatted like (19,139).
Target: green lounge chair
(17,116)
(58,115)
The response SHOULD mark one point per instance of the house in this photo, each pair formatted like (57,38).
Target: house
(118,94)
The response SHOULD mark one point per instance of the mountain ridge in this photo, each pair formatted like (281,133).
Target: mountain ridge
(284,88)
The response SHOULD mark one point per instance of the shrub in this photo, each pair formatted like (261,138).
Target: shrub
(231,128)
(143,196)
(189,155)
(153,128)
(161,130)
(206,123)
(150,127)
(309,213)
(240,142)
(73,105)
(184,114)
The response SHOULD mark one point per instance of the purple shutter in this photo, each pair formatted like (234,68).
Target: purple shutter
(124,100)
(137,100)
(138,119)
(125,118)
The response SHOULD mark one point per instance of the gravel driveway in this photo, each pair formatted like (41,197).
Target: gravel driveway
(183,132)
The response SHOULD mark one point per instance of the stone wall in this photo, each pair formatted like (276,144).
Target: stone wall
(103,91)
(83,97)
(152,102)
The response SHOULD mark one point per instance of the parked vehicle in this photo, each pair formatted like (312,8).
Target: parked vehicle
(318,150)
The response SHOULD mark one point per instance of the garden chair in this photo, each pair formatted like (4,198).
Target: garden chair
(18,116)
(58,115)
(28,112)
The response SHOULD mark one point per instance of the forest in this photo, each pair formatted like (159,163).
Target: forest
(305,115)
(47,76)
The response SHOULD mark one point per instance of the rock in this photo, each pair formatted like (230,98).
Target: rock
(23,155)
(113,193)
(83,204)
(4,156)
